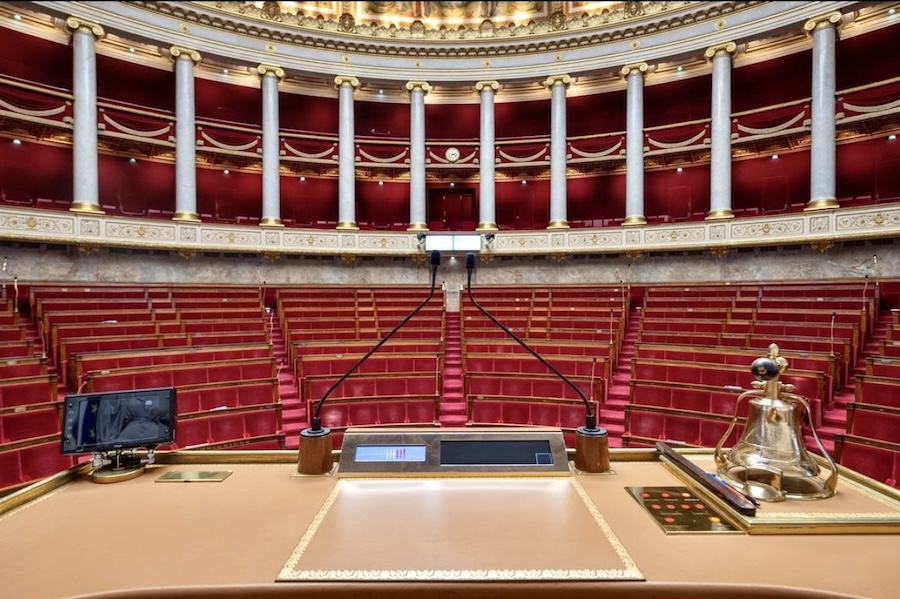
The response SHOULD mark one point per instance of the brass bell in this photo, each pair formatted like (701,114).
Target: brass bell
(770,462)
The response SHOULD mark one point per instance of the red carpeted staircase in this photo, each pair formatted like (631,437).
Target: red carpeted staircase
(453,402)
(293,410)
(612,413)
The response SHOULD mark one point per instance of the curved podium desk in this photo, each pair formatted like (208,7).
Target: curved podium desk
(265,531)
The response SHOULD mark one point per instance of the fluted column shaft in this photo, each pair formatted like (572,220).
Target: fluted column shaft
(822,138)
(634,144)
(417,91)
(720,134)
(346,153)
(86,186)
(558,197)
(185,134)
(271,151)
(487,210)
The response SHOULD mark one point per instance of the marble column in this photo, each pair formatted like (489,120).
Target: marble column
(271,147)
(720,132)
(487,210)
(558,198)
(86,188)
(417,91)
(185,134)
(634,144)
(346,153)
(822,137)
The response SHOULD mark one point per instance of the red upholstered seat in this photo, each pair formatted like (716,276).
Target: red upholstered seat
(192,431)
(226,427)
(259,423)
(40,461)
(29,424)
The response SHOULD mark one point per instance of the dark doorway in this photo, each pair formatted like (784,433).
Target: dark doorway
(452,209)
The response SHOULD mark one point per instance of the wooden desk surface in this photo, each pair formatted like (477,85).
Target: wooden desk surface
(86,538)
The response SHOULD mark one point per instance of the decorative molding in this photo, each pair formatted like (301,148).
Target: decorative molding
(832,19)
(414,85)
(34,225)
(481,86)
(639,67)
(724,49)
(561,79)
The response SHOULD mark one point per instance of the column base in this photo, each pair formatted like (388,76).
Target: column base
(822,204)
(486,227)
(86,207)
(720,214)
(558,224)
(187,217)
(347,225)
(417,227)
(271,221)
(634,221)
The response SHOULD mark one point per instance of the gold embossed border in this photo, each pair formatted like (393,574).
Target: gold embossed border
(291,573)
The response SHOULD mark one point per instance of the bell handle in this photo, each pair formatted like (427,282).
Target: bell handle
(831,481)
(717,454)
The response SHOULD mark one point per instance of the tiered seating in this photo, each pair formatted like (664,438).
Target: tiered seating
(198,339)
(879,460)
(327,331)
(576,329)
(699,342)
(29,430)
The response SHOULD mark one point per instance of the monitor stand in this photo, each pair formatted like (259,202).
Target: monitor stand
(117,467)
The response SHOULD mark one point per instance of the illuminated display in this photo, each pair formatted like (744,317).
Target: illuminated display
(390,453)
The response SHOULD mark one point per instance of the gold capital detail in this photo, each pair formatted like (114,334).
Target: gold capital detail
(483,85)
(78,24)
(414,85)
(268,69)
(724,49)
(832,19)
(177,52)
(350,80)
(554,79)
(638,67)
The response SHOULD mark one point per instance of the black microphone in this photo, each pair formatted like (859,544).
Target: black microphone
(590,420)
(316,428)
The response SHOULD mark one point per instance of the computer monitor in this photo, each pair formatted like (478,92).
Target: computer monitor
(114,421)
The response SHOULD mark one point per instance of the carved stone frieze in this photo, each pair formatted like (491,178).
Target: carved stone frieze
(806,228)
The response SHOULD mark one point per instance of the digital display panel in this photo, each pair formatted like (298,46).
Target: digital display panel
(507,452)
(390,453)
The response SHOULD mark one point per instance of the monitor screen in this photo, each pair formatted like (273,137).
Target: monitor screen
(114,420)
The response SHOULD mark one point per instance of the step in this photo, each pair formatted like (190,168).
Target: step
(453,420)
(453,407)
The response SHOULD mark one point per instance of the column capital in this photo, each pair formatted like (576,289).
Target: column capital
(414,85)
(552,80)
(341,80)
(483,85)
(832,19)
(268,69)
(723,49)
(176,52)
(640,68)
(74,24)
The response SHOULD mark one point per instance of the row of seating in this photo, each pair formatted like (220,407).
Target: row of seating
(645,425)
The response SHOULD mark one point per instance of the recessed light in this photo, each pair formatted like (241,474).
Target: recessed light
(679,169)
(381,182)
(892,137)
(226,172)
(524,182)
(17,142)
(890,11)
(132,50)
(679,69)
(452,184)
(19,17)
(224,71)
(132,160)
(774,156)
(303,178)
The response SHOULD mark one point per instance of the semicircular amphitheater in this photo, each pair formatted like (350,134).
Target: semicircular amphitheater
(241,199)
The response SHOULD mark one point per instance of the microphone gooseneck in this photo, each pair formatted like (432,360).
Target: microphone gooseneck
(316,423)
(590,419)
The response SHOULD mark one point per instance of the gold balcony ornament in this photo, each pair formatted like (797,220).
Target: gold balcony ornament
(770,462)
